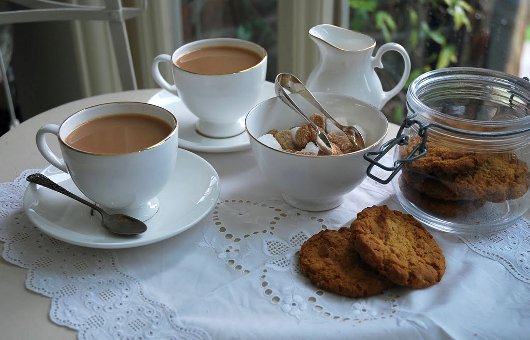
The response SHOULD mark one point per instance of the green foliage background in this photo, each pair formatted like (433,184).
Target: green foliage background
(427,29)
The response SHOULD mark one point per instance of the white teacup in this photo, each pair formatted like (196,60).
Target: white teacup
(220,101)
(119,181)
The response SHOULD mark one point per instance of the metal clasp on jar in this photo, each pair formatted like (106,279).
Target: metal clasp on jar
(419,151)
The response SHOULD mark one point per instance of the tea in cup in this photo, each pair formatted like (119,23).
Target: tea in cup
(219,80)
(119,155)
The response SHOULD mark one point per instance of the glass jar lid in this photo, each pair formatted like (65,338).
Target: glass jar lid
(471,99)
(468,107)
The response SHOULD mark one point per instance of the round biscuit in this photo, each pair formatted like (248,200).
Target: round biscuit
(440,207)
(398,247)
(330,262)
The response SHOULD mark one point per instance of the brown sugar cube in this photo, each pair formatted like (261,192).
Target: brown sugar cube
(285,139)
(335,150)
(319,120)
(342,141)
(305,134)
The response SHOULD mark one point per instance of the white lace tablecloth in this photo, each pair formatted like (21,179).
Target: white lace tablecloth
(235,275)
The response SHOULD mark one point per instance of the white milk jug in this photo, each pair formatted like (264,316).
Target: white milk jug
(346,65)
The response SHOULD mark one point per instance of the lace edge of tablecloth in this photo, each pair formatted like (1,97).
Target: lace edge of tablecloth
(510,247)
(92,296)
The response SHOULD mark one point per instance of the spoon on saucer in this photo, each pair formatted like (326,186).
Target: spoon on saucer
(287,81)
(118,224)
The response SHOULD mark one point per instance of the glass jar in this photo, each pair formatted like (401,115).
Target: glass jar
(464,150)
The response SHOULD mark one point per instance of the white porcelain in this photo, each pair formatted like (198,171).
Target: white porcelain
(220,102)
(314,183)
(190,138)
(346,65)
(190,194)
(125,183)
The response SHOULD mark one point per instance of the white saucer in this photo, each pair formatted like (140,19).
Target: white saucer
(190,194)
(189,138)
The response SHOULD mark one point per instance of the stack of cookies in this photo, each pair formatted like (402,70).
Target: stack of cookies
(448,182)
(381,249)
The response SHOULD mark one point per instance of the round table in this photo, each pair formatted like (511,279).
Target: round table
(29,319)
(24,314)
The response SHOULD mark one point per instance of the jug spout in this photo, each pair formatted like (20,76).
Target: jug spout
(341,38)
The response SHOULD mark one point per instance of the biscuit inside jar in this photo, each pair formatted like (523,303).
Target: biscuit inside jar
(302,140)
(450,181)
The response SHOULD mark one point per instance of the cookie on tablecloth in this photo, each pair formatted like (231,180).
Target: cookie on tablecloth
(330,262)
(398,247)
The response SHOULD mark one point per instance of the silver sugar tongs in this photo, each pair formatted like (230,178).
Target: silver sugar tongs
(281,83)
(286,81)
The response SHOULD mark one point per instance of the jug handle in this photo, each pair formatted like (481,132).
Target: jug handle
(376,62)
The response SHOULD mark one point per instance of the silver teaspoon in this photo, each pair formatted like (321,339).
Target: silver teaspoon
(115,223)
(294,85)
(322,139)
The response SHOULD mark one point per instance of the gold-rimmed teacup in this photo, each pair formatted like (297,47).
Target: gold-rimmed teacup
(126,181)
(219,89)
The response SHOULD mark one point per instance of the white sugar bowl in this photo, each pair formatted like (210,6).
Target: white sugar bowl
(310,182)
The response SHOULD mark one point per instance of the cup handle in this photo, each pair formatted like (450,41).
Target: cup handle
(45,150)
(157,76)
(376,62)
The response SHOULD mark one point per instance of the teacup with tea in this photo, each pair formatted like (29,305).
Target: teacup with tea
(120,155)
(219,80)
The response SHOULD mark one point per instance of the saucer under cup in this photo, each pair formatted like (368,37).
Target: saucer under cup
(190,194)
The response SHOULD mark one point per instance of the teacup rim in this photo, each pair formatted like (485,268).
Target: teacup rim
(378,141)
(219,40)
(170,135)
